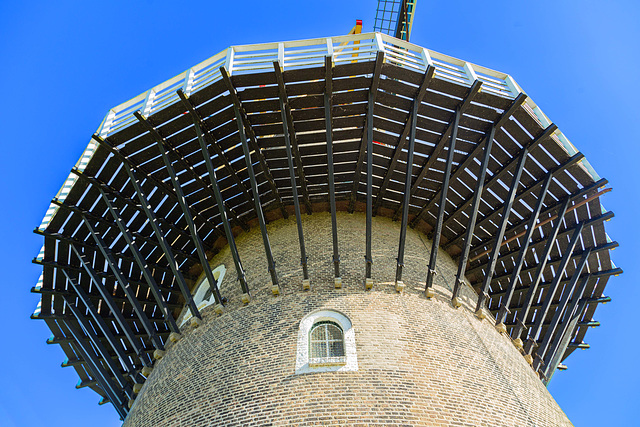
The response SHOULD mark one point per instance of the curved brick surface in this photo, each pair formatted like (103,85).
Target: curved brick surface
(421,362)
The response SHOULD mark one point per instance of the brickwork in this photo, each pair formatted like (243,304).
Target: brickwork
(420,361)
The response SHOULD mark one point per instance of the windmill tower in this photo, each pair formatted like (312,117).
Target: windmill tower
(352,229)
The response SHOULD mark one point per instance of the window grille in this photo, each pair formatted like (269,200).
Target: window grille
(326,343)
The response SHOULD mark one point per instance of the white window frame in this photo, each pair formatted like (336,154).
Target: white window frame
(302,354)
(201,291)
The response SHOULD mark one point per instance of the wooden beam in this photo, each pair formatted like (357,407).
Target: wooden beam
(218,197)
(166,247)
(503,226)
(551,328)
(253,140)
(363,142)
(182,201)
(142,265)
(551,292)
(328,93)
(124,284)
(504,308)
(435,242)
(433,156)
(413,120)
(462,263)
(213,143)
(290,134)
(84,349)
(507,167)
(254,184)
(542,260)
(402,140)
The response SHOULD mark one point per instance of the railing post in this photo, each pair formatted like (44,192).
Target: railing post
(330,49)
(108,122)
(228,62)
(379,43)
(470,72)
(426,57)
(188,81)
(281,55)
(512,85)
(148,103)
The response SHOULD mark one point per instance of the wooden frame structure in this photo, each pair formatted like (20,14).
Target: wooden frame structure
(454,149)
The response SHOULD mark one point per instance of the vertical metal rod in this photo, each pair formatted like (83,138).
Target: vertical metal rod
(435,243)
(98,372)
(471,225)
(217,194)
(503,226)
(332,188)
(124,284)
(182,201)
(115,344)
(111,364)
(407,189)
(551,329)
(294,187)
(108,299)
(256,197)
(142,264)
(526,241)
(542,263)
(162,240)
(562,338)
(368,258)
(542,313)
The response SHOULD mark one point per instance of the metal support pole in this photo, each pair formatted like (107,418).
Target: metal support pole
(504,171)
(294,187)
(164,244)
(542,263)
(471,225)
(422,91)
(503,226)
(253,141)
(217,194)
(111,364)
(287,116)
(567,327)
(332,188)
(373,90)
(107,297)
(368,257)
(256,198)
(439,147)
(98,372)
(413,120)
(551,292)
(102,325)
(435,243)
(124,284)
(551,329)
(182,201)
(142,264)
(504,308)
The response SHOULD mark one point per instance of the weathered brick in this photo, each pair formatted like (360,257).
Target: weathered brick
(421,361)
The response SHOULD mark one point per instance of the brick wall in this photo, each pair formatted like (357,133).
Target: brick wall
(421,362)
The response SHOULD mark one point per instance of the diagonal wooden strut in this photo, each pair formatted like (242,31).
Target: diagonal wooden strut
(182,201)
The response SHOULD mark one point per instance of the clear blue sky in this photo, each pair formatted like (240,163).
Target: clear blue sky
(64,64)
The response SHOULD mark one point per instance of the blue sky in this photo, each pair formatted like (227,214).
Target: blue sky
(64,64)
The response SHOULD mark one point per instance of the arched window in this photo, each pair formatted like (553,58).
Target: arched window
(326,342)
(203,296)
